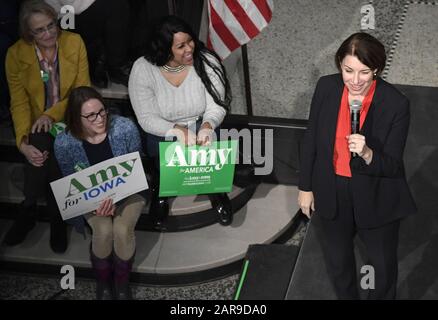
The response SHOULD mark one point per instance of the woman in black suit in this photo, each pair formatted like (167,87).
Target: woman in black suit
(355,183)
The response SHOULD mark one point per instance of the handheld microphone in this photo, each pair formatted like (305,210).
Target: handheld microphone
(355,107)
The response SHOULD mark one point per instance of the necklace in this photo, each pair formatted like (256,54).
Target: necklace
(178,69)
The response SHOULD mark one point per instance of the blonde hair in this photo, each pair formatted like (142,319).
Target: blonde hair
(29,8)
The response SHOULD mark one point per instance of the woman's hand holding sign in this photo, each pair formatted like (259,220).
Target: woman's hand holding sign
(106,208)
(184,135)
(205,134)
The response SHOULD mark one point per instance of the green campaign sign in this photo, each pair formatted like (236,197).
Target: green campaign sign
(196,170)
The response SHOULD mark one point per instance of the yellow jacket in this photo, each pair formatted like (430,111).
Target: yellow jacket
(27,88)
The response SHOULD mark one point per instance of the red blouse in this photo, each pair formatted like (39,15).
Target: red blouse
(341,154)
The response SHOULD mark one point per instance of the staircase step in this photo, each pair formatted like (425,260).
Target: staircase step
(169,257)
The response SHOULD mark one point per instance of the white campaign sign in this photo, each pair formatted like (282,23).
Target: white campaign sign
(83,191)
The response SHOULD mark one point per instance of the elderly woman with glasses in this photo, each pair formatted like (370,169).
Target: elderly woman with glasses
(41,68)
(93,136)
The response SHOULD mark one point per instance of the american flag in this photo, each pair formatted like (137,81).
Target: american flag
(233,23)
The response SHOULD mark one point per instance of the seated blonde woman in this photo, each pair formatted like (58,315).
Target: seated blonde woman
(41,68)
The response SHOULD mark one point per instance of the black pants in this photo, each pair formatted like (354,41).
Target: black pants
(337,238)
(105,24)
(37,179)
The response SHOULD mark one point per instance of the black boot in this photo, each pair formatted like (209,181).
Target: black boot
(58,228)
(159,209)
(122,270)
(103,270)
(58,235)
(24,223)
(222,204)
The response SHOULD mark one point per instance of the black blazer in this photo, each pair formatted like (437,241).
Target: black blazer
(380,189)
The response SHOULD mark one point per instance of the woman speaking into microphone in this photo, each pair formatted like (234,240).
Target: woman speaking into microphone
(365,195)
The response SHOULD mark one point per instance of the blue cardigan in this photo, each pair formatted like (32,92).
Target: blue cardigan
(123,137)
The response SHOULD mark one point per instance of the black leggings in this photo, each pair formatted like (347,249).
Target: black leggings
(37,179)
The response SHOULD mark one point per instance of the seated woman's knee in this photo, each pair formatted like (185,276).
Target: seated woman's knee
(103,228)
(122,232)
(41,140)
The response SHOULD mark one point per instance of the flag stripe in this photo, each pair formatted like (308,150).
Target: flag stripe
(253,12)
(210,44)
(231,23)
(214,42)
(217,45)
(242,18)
(264,9)
(222,31)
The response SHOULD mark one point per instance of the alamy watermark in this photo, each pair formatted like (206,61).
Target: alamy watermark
(368,21)
(67,281)
(368,281)
(257,145)
(67,14)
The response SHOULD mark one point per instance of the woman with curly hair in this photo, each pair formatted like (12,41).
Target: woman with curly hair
(179,88)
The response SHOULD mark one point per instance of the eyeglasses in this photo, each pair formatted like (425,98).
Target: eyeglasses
(92,117)
(51,27)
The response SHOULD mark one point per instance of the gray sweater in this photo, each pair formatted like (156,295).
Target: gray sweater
(159,105)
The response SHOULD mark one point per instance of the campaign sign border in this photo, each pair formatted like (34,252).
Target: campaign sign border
(177,181)
(72,202)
